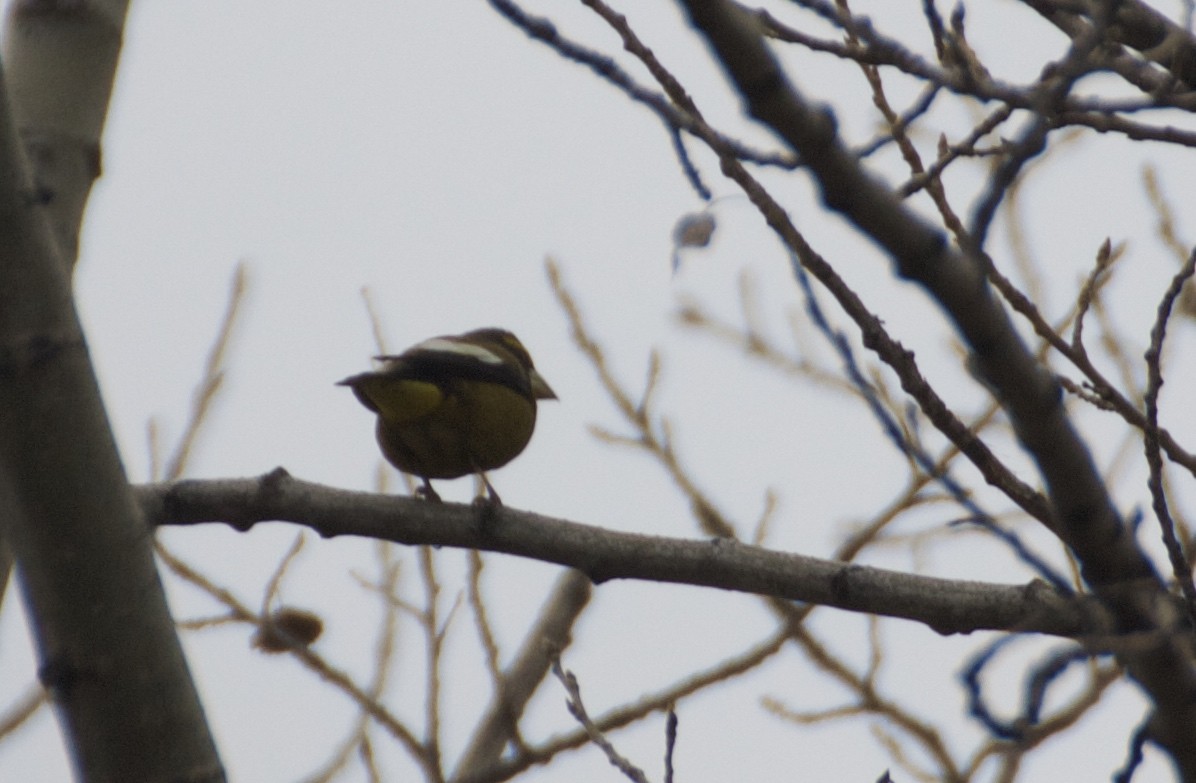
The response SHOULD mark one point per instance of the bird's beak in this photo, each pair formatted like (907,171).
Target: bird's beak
(540,388)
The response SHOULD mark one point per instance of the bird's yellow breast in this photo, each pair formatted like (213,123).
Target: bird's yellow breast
(451,429)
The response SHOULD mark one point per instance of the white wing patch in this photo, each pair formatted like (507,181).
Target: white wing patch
(441,345)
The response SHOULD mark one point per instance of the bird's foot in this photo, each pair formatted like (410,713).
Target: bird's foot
(426,492)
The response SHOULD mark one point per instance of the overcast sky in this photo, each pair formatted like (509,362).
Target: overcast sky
(437,156)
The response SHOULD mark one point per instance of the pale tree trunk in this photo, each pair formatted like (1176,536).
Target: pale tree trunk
(108,652)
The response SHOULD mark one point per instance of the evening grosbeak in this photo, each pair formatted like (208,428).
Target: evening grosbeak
(455,405)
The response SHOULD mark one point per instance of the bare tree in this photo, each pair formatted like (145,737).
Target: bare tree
(1100,600)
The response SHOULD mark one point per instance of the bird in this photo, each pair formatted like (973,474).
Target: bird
(454,405)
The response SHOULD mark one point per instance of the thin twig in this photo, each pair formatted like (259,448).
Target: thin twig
(578,710)
(1181,567)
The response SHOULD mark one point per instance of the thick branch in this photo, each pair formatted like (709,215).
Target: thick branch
(1134,25)
(947,606)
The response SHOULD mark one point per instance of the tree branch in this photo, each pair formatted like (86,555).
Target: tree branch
(947,606)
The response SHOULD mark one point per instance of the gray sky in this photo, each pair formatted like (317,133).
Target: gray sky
(433,153)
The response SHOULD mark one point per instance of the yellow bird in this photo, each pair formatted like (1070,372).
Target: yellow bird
(454,405)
